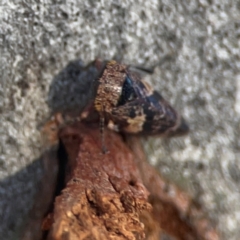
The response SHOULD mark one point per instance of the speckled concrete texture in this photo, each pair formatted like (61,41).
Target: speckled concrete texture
(195,46)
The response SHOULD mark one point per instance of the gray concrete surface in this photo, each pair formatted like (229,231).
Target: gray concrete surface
(195,46)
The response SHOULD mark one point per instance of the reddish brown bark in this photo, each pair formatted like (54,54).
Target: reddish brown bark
(117,195)
(104,195)
(174,210)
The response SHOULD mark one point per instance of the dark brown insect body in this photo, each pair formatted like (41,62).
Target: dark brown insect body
(130,105)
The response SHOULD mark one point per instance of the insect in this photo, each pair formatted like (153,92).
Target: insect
(130,105)
(125,103)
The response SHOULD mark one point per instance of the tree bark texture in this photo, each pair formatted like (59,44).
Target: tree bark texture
(116,195)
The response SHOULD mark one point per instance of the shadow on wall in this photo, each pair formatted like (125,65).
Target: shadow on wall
(17,193)
(27,196)
(70,90)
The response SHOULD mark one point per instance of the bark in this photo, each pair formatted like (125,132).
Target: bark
(175,211)
(116,195)
(104,195)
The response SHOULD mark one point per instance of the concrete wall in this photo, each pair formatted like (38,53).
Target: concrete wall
(195,46)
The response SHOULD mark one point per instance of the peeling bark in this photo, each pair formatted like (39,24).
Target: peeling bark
(117,195)
(104,195)
(174,210)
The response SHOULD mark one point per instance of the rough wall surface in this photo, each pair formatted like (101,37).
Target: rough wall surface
(195,46)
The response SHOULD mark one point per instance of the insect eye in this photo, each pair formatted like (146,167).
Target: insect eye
(128,92)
